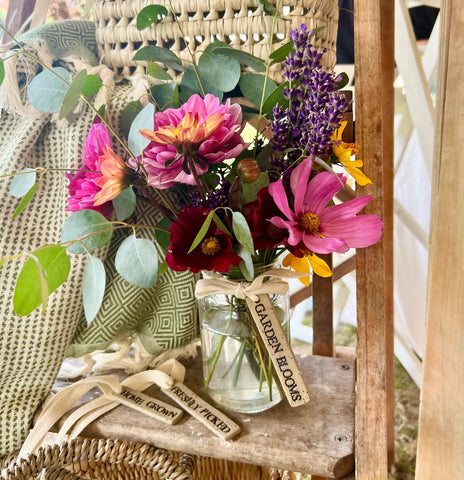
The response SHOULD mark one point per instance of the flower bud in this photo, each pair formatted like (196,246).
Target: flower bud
(248,170)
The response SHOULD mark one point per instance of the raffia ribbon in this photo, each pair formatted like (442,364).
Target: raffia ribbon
(243,290)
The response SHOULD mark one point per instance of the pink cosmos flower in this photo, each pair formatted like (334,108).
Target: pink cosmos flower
(312,225)
(83,186)
(200,132)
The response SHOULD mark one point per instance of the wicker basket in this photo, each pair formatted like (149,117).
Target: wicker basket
(239,23)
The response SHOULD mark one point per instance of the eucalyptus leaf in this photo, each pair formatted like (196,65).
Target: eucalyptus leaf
(47,90)
(26,199)
(202,232)
(137,261)
(124,204)
(90,224)
(92,85)
(242,231)
(93,287)
(150,15)
(246,265)
(152,53)
(190,85)
(2,72)
(23,182)
(73,94)
(220,224)
(143,120)
(163,268)
(29,291)
(243,57)
(253,84)
(155,71)
(220,71)
(129,112)
(164,95)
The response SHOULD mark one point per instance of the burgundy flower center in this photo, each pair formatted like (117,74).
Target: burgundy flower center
(309,222)
(210,246)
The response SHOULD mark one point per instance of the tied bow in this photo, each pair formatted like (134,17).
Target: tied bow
(243,290)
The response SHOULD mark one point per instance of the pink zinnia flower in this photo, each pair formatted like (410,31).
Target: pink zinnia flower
(200,132)
(314,226)
(83,186)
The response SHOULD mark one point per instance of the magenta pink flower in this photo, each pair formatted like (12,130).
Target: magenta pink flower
(83,185)
(200,132)
(315,227)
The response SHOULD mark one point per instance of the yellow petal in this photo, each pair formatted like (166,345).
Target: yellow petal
(360,177)
(319,266)
(299,264)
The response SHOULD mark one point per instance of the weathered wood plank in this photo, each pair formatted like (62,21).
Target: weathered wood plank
(374,33)
(316,438)
(323,334)
(441,420)
(18,12)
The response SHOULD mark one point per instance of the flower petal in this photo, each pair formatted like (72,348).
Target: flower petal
(277,191)
(324,245)
(343,210)
(319,266)
(321,189)
(358,232)
(299,183)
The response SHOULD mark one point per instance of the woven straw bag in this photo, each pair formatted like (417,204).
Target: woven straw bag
(239,23)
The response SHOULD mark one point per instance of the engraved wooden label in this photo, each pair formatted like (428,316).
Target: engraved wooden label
(148,405)
(211,417)
(280,351)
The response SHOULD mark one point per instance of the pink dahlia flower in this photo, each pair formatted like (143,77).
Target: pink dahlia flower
(200,132)
(84,186)
(312,225)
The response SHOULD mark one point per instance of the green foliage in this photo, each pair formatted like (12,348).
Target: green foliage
(47,90)
(93,287)
(163,238)
(73,94)
(221,71)
(150,15)
(242,231)
(23,182)
(2,72)
(190,85)
(274,98)
(137,261)
(46,269)
(243,57)
(246,265)
(124,204)
(92,85)
(143,120)
(26,199)
(152,53)
(90,226)
(130,111)
(202,232)
(166,95)
(253,84)
(343,81)
(155,71)
(250,190)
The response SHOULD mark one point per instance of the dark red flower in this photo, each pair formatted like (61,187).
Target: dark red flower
(213,253)
(264,233)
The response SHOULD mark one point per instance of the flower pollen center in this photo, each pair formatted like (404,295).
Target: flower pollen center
(309,222)
(210,246)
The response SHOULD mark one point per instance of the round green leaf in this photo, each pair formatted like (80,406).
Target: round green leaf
(128,114)
(149,15)
(125,203)
(86,223)
(143,120)
(243,57)
(46,91)
(23,182)
(152,53)
(165,95)
(29,290)
(155,71)
(93,287)
(242,231)
(246,265)
(220,71)
(92,85)
(189,86)
(252,85)
(137,261)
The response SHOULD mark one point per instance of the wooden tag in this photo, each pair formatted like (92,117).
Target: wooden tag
(211,417)
(148,405)
(280,351)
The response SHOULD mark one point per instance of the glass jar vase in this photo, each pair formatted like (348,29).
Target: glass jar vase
(238,372)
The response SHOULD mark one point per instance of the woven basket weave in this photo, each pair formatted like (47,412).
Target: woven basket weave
(239,23)
(98,459)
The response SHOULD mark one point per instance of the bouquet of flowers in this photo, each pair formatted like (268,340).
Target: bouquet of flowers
(234,198)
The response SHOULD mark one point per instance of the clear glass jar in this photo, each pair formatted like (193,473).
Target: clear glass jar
(238,373)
